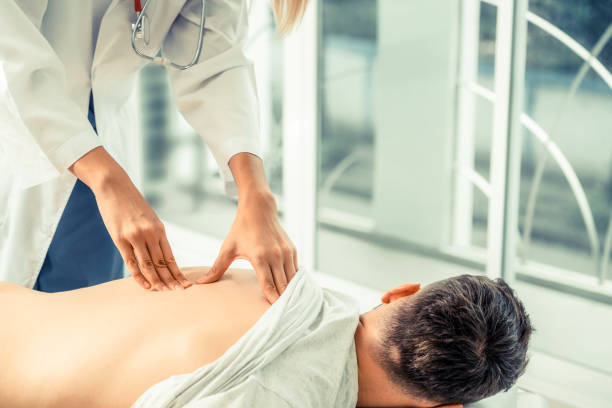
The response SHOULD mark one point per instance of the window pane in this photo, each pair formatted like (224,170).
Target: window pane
(574,111)
(387,103)
(483,119)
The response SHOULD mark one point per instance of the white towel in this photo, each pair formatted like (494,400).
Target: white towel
(301,353)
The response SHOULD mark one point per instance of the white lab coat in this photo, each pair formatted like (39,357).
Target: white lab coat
(52,53)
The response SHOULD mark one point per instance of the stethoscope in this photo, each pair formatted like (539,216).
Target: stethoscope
(140,27)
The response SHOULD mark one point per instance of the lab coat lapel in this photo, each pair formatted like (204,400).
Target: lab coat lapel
(113,39)
(113,75)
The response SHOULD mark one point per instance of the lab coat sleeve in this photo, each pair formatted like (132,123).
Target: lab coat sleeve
(42,130)
(218,95)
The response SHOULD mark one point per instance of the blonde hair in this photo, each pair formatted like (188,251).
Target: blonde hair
(288,13)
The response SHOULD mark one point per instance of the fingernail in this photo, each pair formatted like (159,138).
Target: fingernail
(178,287)
(147,285)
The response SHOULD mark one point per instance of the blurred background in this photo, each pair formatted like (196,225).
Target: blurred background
(417,109)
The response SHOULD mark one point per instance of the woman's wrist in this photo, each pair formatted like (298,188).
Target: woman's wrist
(248,172)
(261,200)
(98,170)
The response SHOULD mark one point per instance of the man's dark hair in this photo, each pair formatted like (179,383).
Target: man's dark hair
(457,341)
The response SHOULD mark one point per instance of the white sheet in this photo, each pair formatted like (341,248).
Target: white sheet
(301,353)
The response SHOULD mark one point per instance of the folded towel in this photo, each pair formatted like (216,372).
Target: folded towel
(300,353)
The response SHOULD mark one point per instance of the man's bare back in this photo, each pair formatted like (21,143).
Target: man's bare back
(104,346)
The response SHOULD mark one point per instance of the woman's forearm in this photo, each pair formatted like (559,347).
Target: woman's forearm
(97,169)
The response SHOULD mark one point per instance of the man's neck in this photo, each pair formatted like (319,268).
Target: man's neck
(375,387)
(365,396)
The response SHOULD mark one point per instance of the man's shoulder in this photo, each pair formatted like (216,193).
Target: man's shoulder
(313,373)
(320,364)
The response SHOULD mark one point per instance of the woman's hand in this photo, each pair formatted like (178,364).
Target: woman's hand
(256,234)
(131,222)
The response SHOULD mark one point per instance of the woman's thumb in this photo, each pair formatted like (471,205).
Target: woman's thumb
(217,270)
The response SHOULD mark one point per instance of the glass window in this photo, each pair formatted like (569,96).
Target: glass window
(483,119)
(387,114)
(565,198)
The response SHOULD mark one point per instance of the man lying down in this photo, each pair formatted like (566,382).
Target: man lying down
(223,345)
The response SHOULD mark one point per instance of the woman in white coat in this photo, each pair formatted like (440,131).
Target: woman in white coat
(70,215)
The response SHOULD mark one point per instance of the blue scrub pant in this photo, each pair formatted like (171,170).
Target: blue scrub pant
(81,252)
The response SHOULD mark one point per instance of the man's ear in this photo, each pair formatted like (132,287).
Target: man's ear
(399,292)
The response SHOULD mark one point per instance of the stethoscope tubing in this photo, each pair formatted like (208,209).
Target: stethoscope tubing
(162,60)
